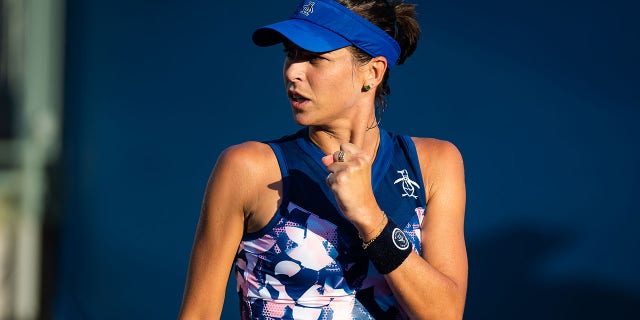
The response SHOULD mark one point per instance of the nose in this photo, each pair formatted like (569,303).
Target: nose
(293,71)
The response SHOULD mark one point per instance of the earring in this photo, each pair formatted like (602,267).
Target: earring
(367,88)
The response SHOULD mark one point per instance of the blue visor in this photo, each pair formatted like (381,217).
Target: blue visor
(325,25)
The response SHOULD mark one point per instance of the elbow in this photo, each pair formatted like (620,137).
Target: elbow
(454,309)
(454,302)
(450,307)
(451,312)
(454,313)
(448,314)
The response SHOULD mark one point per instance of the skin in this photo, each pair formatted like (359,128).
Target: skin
(244,190)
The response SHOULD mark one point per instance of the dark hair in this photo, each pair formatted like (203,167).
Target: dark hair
(396,18)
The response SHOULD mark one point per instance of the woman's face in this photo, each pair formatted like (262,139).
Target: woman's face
(323,88)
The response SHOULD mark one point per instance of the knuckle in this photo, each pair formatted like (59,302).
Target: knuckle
(362,160)
(351,169)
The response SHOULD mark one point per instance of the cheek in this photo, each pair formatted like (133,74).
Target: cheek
(332,90)
(342,82)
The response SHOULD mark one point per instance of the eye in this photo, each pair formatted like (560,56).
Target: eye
(299,55)
(290,53)
(314,58)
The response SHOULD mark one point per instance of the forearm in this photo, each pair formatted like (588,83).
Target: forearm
(424,292)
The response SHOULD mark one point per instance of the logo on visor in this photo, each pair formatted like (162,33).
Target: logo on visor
(307,9)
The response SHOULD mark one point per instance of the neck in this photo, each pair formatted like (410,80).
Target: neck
(329,140)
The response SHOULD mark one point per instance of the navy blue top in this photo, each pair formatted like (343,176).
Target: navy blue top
(308,262)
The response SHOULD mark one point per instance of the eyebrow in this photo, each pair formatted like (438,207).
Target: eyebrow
(288,45)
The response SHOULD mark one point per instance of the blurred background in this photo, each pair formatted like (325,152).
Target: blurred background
(112,114)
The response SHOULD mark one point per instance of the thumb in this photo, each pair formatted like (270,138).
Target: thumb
(357,140)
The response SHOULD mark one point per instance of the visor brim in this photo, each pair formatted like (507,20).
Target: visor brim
(304,34)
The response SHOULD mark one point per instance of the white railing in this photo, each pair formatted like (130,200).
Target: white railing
(33,30)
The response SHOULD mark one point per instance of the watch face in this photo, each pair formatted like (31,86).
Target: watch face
(400,239)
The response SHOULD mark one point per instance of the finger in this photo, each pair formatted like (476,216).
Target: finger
(354,152)
(337,167)
(330,178)
(327,160)
(340,156)
(350,148)
(357,139)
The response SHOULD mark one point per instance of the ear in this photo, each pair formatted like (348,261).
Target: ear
(375,69)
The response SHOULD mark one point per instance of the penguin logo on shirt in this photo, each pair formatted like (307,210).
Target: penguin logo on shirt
(409,186)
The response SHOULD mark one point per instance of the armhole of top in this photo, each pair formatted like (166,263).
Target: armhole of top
(410,148)
(284,173)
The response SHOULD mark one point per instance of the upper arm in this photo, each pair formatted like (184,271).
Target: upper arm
(230,190)
(443,241)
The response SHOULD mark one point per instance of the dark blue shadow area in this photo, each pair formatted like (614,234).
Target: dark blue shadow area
(507,281)
(541,97)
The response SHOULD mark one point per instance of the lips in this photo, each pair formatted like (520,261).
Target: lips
(297,100)
(295,96)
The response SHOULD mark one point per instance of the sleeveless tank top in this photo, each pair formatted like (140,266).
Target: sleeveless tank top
(308,262)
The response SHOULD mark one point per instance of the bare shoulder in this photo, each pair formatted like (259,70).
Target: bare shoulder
(250,155)
(440,162)
(245,168)
(248,174)
(437,152)
(239,175)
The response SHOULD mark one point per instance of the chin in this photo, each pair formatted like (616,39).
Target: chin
(302,120)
